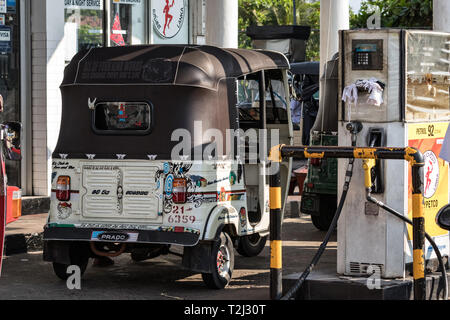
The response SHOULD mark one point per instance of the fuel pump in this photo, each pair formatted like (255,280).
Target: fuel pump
(396,83)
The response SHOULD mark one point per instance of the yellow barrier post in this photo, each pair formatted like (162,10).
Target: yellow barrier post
(276,288)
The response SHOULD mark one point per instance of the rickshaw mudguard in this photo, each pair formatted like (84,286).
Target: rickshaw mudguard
(185,238)
(218,217)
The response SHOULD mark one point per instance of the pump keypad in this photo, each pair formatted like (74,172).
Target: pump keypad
(367,54)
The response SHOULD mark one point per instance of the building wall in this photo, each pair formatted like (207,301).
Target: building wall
(55,73)
(47,55)
(39,96)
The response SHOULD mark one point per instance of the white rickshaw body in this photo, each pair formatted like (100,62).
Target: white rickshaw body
(165,145)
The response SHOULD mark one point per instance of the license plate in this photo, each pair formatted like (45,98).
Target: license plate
(114,236)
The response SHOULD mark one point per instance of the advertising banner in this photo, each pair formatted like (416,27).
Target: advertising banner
(428,138)
(170,21)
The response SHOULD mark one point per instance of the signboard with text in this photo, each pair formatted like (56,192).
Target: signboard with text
(3,6)
(128,1)
(5,39)
(84,4)
(170,21)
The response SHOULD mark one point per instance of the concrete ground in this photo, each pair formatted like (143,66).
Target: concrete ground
(27,276)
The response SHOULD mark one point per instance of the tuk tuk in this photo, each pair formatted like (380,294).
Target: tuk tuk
(140,163)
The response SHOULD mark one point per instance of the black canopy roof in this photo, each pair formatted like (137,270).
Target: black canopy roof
(311,67)
(200,66)
(183,85)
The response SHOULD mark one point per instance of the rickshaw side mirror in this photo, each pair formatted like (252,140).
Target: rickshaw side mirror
(11,140)
(443,217)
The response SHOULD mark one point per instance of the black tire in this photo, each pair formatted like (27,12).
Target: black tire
(222,272)
(60,269)
(251,245)
(327,210)
(78,256)
(139,256)
(321,222)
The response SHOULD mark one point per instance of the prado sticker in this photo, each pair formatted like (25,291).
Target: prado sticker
(168,17)
(114,236)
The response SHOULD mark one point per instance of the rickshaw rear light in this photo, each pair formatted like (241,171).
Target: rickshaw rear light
(63,188)
(179,190)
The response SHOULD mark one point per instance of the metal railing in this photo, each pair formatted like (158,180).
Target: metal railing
(412,155)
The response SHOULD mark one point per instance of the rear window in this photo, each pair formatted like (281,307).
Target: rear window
(122,118)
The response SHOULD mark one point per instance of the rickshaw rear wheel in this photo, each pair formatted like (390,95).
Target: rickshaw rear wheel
(251,245)
(60,269)
(222,263)
(326,215)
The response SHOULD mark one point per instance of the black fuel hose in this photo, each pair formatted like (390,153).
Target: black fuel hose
(348,177)
(430,240)
(354,128)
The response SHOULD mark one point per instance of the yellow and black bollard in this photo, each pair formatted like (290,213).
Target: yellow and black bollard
(418,235)
(276,288)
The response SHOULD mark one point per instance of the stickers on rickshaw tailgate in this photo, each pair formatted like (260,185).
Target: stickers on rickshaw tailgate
(62,165)
(171,171)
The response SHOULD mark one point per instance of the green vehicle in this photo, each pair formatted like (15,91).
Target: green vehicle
(319,197)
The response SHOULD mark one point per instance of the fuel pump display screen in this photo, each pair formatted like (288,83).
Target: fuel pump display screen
(367,54)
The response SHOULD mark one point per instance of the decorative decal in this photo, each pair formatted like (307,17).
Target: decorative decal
(152,156)
(62,165)
(431,172)
(199,181)
(91,104)
(171,171)
(168,184)
(64,210)
(221,195)
(63,155)
(166,167)
(243,217)
(121,156)
(232,178)
(90,156)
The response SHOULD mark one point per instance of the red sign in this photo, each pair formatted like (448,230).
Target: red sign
(116,34)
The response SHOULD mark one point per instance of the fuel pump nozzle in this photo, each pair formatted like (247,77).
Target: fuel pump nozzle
(354,127)
(368,164)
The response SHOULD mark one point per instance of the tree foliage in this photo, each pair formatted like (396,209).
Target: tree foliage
(280,12)
(395,13)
